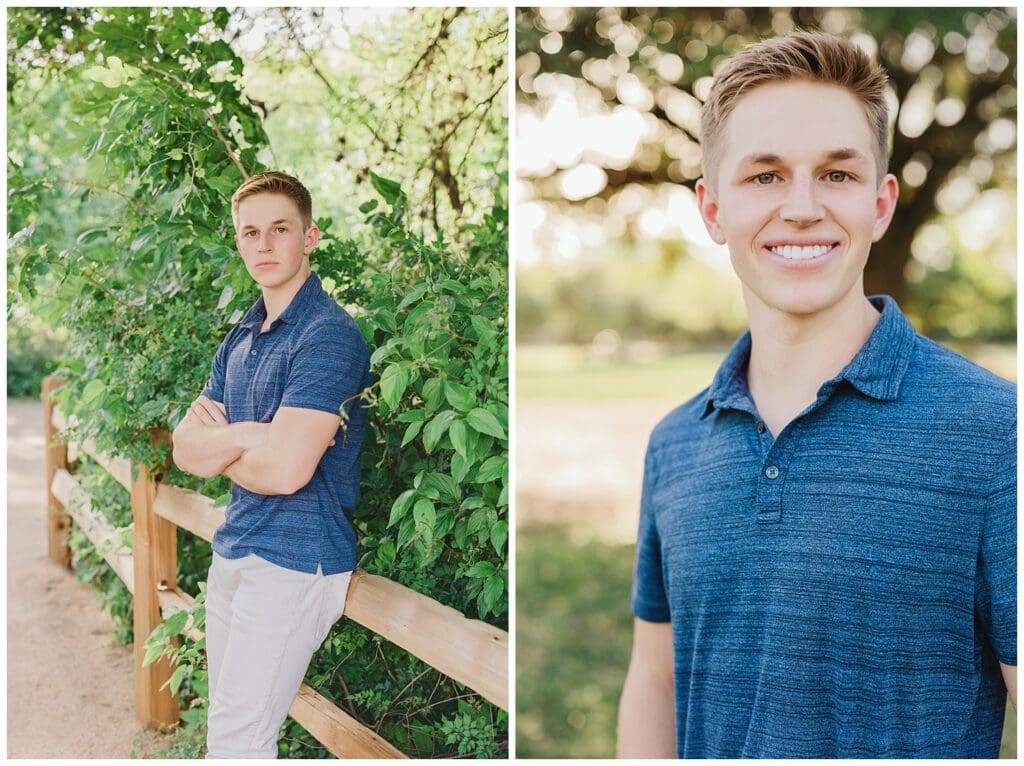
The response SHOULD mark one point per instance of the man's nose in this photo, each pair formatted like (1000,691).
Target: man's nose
(801,205)
(264,242)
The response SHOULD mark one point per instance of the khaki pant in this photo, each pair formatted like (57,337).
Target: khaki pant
(263,624)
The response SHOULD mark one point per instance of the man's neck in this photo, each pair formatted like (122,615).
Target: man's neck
(277,299)
(791,356)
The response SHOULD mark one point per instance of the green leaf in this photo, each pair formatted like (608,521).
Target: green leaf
(412,432)
(483,421)
(459,396)
(457,432)
(391,191)
(499,533)
(413,295)
(481,569)
(401,505)
(436,428)
(225,297)
(447,488)
(386,554)
(393,383)
(494,586)
(175,680)
(432,394)
(92,392)
(176,622)
(491,469)
(406,531)
(424,513)
(153,653)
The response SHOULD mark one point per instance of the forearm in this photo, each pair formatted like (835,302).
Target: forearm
(647,726)
(261,470)
(205,450)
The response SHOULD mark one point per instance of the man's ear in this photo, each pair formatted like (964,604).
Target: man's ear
(708,206)
(885,205)
(312,237)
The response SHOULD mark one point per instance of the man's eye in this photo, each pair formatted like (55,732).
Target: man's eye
(837,176)
(249,233)
(281,228)
(763,179)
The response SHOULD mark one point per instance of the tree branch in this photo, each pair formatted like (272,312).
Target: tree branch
(209,115)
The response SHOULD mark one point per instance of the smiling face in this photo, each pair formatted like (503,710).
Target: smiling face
(272,243)
(796,197)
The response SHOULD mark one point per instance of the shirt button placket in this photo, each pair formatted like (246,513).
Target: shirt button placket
(773,477)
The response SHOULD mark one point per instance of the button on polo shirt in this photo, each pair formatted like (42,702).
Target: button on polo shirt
(847,589)
(312,356)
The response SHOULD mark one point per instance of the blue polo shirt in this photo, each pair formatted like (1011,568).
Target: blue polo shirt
(312,356)
(847,589)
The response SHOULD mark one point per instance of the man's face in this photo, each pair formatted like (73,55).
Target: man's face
(271,240)
(797,200)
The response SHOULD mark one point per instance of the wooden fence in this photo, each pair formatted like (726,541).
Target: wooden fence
(469,651)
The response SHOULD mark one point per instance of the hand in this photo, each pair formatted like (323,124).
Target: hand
(207,412)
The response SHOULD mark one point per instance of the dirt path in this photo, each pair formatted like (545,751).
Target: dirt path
(582,463)
(70,689)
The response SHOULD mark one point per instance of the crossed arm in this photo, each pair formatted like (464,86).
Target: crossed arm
(275,458)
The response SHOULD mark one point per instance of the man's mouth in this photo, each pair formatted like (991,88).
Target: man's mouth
(801,252)
(264,264)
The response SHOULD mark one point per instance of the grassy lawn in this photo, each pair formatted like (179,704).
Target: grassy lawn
(565,372)
(568,373)
(573,637)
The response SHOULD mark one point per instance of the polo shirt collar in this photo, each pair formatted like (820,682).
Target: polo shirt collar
(299,305)
(876,371)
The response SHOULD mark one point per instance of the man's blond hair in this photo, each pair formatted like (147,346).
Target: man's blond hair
(275,182)
(799,56)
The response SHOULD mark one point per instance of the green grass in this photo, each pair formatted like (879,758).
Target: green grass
(568,373)
(573,637)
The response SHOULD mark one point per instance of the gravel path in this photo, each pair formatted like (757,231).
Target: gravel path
(70,689)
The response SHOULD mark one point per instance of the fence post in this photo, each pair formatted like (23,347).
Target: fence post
(56,458)
(155,561)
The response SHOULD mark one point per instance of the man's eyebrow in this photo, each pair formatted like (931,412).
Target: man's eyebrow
(846,153)
(761,159)
(833,155)
(272,223)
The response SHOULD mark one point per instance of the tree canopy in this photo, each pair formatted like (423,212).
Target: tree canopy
(646,72)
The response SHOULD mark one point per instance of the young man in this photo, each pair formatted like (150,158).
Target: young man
(826,564)
(269,420)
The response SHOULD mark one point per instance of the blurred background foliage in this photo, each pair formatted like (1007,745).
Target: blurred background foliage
(625,307)
(608,104)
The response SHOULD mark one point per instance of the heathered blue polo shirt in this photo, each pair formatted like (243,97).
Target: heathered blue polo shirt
(848,588)
(312,356)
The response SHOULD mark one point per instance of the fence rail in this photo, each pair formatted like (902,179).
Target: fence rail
(469,651)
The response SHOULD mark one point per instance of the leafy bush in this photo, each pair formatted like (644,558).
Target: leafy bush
(151,284)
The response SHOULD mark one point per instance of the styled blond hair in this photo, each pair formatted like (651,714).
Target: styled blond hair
(808,56)
(275,182)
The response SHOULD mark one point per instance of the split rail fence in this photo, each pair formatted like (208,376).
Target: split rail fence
(469,651)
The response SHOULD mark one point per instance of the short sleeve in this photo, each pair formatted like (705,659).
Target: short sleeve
(996,585)
(214,388)
(329,366)
(648,600)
